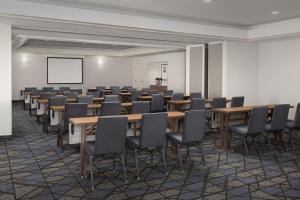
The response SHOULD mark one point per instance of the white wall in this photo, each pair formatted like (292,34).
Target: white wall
(215,70)
(279,72)
(196,69)
(5,81)
(176,69)
(33,72)
(240,70)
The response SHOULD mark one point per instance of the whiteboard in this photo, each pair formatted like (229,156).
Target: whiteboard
(64,70)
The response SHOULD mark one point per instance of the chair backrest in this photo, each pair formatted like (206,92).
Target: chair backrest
(168,92)
(196,95)
(29,89)
(297,117)
(135,95)
(153,130)
(65,88)
(58,92)
(48,89)
(194,126)
(139,107)
(145,90)
(111,108)
(115,90)
(47,95)
(131,90)
(71,95)
(74,110)
(111,98)
(79,91)
(237,101)
(151,92)
(94,94)
(219,102)
(36,92)
(280,117)
(85,99)
(111,135)
(126,87)
(258,119)
(100,88)
(56,101)
(197,104)
(177,96)
(157,103)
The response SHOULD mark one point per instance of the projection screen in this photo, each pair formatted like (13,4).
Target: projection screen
(64,70)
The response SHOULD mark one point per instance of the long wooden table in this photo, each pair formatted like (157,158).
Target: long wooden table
(225,119)
(177,104)
(83,122)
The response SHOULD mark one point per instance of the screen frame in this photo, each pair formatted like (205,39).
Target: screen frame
(65,58)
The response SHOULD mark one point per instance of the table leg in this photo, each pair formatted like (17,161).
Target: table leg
(225,133)
(222,131)
(174,152)
(82,141)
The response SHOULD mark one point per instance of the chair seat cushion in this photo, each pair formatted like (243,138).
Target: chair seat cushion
(175,137)
(240,129)
(290,124)
(133,141)
(89,148)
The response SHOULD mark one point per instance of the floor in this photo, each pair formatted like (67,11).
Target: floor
(32,168)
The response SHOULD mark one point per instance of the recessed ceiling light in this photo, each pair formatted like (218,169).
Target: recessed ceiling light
(207,1)
(275,12)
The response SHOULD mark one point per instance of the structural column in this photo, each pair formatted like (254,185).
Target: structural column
(5,81)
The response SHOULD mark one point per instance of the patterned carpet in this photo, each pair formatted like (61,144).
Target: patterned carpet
(32,168)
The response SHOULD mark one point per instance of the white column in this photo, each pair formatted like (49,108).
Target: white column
(5,81)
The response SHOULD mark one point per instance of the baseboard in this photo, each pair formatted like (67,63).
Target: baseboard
(5,137)
(17,101)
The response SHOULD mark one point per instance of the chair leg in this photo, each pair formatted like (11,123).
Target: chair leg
(292,138)
(114,165)
(136,164)
(262,142)
(284,141)
(187,152)
(164,160)
(245,144)
(151,152)
(180,159)
(268,138)
(229,141)
(91,169)
(124,168)
(202,154)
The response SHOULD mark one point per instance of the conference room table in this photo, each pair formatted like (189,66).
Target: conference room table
(176,105)
(225,119)
(84,122)
(149,98)
(57,111)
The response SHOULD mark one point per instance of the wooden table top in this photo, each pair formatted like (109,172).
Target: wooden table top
(62,108)
(180,102)
(45,101)
(125,93)
(147,97)
(242,109)
(90,106)
(83,121)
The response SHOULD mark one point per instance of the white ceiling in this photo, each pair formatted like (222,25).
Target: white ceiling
(242,13)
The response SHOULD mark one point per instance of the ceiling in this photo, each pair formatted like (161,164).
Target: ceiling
(242,13)
(33,43)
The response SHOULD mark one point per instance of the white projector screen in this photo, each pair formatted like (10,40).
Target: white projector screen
(64,70)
